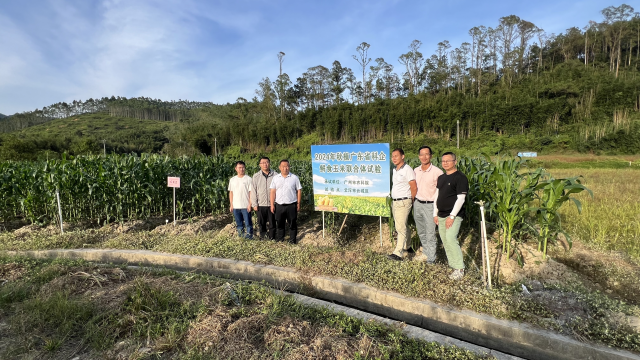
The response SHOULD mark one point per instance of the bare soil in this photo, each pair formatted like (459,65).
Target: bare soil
(11,272)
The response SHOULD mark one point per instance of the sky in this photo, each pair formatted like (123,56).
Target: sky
(64,50)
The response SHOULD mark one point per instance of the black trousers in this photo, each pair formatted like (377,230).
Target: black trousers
(266,216)
(287,213)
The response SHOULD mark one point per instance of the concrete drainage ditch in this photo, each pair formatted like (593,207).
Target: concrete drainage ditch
(467,329)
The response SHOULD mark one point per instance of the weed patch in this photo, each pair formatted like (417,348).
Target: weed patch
(157,316)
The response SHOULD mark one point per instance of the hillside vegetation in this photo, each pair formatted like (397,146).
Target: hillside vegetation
(84,134)
(511,87)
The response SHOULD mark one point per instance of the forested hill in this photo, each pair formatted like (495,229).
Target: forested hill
(510,86)
(2,116)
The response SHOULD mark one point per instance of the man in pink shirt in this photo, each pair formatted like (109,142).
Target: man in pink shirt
(426,180)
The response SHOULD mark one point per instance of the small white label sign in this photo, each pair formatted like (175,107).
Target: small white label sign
(173,182)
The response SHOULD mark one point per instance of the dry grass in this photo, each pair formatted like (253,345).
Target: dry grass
(184,316)
(575,158)
(611,220)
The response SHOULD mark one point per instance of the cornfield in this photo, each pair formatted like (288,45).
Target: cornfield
(119,187)
(125,187)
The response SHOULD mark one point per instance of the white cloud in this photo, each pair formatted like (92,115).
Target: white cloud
(61,50)
(318,179)
(379,194)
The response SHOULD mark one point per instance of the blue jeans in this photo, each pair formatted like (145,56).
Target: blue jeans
(243,223)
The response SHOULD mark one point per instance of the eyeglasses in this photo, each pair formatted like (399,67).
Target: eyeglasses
(448,161)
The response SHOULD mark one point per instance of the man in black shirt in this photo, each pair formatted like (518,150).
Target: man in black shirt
(451,191)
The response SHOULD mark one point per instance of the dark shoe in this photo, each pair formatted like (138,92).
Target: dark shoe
(394,257)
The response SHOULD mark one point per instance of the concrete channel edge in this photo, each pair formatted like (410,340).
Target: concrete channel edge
(508,337)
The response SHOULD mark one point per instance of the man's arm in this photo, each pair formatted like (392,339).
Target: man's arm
(458,205)
(414,189)
(456,208)
(299,188)
(435,207)
(254,198)
(231,201)
(273,200)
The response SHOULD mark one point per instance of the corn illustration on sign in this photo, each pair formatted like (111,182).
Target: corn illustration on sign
(351,179)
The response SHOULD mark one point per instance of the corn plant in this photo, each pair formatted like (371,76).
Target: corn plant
(119,187)
(509,191)
(478,171)
(552,194)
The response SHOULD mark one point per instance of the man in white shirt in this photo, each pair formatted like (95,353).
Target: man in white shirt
(403,192)
(427,182)
(240,188)
(286,193)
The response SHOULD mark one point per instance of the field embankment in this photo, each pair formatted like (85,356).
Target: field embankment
(65,309)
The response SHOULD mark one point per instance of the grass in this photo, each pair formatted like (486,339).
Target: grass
(587,161)
(145,313)
(611,220)
(374,269)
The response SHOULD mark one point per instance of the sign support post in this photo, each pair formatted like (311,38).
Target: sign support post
(323,224)
(173,182)
(59,211)
(380,231)
(483,240)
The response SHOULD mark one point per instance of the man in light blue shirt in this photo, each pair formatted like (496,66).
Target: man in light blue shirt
(286,193)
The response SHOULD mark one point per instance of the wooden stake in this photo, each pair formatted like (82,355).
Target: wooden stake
(343,221)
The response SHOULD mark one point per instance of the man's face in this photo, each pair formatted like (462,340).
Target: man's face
(448,162)
(264,165)
(284,168)
(425,156)
(240,169)
(397,158)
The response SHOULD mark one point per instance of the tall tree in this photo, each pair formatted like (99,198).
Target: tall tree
(616,18)
(338,78)
(526,31)
(318,78)
(413,62)
(507,33)
(281,88)
(266,98)
(363,59)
